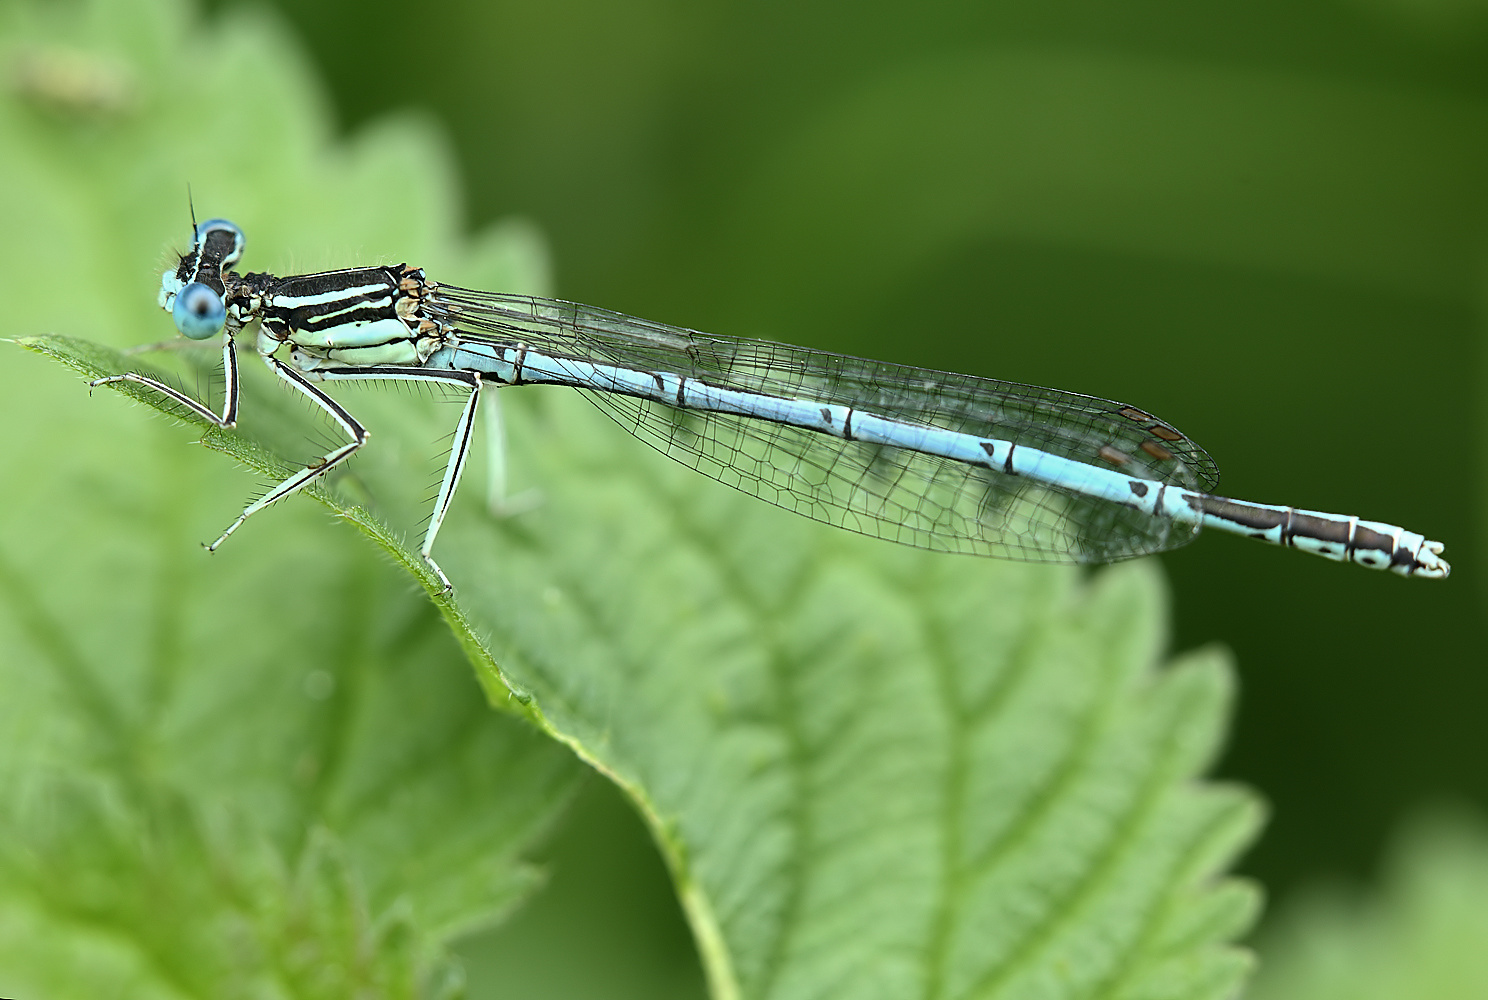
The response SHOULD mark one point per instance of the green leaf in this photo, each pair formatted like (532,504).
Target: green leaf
(1420,933)
(152,899)
(871,771)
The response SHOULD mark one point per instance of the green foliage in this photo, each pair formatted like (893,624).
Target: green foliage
(872,772)
(1420,934)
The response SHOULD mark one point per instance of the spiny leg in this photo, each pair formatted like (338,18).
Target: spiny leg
(459,450)
(314,470)
(229,417)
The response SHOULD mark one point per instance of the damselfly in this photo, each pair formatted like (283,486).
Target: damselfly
(947,462)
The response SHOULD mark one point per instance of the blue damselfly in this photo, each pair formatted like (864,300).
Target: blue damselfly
(928,458)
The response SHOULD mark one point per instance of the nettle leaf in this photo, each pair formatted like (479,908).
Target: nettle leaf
(151,899)
(873,772)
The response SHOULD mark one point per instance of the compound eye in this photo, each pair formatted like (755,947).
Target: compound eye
(233,240)
(198,312)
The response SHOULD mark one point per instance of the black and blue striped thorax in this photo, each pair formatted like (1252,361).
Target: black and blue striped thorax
(358,317)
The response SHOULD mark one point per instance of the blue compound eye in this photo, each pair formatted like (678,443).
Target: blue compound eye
(198,312)
(234,249)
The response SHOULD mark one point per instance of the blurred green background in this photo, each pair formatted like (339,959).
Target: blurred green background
(1264,222)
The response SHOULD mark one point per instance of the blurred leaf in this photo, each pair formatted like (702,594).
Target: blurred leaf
(871,771)
(1420,933)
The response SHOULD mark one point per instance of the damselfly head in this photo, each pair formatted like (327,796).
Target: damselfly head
(193,290)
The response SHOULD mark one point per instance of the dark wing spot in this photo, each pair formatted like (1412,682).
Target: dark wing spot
(1157,451)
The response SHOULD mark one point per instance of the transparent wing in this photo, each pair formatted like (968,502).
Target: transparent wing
(897,494)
